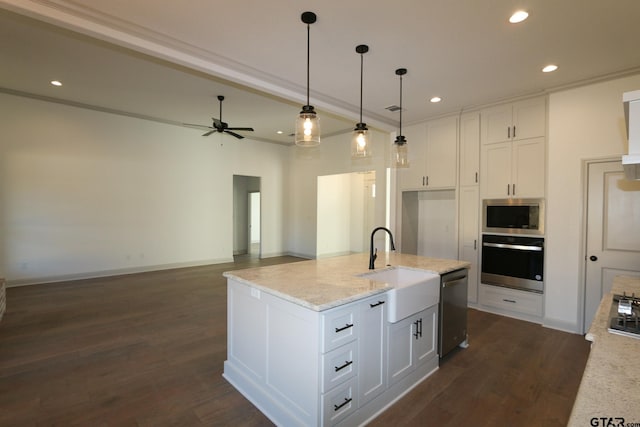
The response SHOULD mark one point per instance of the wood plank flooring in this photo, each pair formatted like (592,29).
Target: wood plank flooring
(148,350)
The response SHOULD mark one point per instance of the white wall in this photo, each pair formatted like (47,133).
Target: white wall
(331,157)
(86,193)
(584,123)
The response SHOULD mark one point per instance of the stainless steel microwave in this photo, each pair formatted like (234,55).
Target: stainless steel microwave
(513,216)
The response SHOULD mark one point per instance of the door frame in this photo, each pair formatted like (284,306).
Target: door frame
(582,272)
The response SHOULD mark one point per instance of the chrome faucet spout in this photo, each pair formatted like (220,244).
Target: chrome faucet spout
(373,255)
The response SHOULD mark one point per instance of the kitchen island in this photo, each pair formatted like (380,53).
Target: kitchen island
(609,392)
(309,343)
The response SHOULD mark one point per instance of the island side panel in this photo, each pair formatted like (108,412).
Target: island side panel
(272,354)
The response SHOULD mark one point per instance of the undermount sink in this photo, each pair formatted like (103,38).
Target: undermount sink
(413,290)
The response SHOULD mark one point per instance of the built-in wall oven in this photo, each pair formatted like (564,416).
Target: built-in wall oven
(513,261)
(513,244)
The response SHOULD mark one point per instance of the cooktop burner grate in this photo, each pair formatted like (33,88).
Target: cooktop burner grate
(625,315)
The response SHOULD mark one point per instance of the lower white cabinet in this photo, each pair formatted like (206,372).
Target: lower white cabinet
(512,302)
(412,341)
(301,367)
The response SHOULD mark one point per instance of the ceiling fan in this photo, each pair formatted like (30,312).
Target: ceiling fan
(219,125)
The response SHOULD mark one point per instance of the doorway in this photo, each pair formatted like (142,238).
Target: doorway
(612,230)
(247,213)
(254,224)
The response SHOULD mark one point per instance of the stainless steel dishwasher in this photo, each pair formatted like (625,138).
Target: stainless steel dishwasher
(453,311)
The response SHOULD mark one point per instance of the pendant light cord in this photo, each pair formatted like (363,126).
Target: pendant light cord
(361,78)
(401,105)
(308,56)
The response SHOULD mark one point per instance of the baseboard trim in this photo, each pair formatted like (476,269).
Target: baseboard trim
(115,272)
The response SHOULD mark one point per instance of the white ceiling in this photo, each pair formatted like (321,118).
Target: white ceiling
(169,60)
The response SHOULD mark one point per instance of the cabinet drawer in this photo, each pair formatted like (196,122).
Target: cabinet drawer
(510,299)
(339,365)
(339,403)
(339,326)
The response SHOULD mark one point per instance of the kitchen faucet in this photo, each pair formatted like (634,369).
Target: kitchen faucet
(372,255)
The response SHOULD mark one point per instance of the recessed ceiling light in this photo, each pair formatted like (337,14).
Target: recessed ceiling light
(435,99)
(549,68)
(518,16)
(279,132)
(56,83)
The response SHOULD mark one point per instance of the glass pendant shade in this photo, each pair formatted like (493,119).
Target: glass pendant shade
(360,145)
(400,152)
(307,128)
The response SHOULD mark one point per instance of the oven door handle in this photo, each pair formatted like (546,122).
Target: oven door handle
(517,247)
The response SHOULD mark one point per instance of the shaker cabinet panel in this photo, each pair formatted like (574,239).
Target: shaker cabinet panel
(470,149)
(513,122)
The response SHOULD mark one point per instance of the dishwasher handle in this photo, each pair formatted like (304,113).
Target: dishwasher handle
(454,282)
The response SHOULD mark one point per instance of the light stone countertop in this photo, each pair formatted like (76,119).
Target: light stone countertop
(329,282)
(610,386)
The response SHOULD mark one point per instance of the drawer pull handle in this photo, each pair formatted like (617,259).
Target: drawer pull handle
(376,304)
(347,326)
(346,400)
(339,368)
(509,300)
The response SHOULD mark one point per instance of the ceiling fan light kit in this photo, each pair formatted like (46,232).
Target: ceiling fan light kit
(360,144)
(308,123)
(400,152)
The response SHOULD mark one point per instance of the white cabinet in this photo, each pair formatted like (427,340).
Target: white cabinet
(432,155)
(515,303)
(512,122)
(468,247)
(371,346)
(513,169)
(469,149)
(412,341)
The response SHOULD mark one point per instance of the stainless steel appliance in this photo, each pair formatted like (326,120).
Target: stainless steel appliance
(513,216)
(453,311)
(513,261)
(625,315)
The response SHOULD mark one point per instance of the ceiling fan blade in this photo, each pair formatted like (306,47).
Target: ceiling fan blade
(244,129)
(234,134)
(196,126)
(209,133)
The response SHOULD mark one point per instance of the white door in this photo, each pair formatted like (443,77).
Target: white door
(613,231)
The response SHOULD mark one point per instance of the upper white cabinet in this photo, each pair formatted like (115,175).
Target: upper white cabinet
(432,155)
(513,169)
(470,149)
(512,122)
(513,153)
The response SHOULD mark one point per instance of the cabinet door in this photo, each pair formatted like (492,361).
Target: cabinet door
(529,119)
(372,342)
(426,347)
(401,341)
(528,168)
(441,153)
(468,236)
(496,171)
(413,176)
(469,149)
(496,124)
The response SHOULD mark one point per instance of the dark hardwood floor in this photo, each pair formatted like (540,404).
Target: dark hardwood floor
(148,350)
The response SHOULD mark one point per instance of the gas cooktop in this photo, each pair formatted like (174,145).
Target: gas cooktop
(625,315)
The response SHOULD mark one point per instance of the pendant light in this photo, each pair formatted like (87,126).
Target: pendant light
(400,144)
(308,123)
(360,145)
